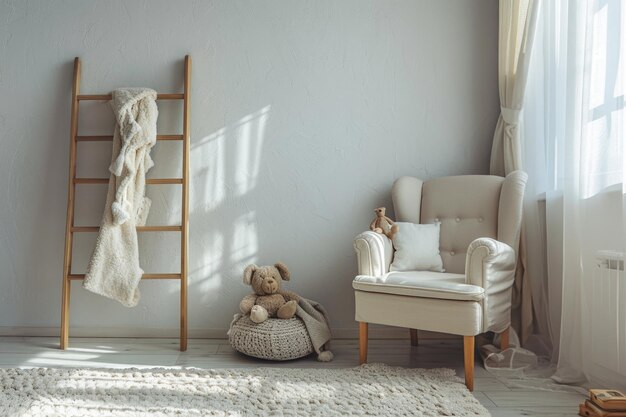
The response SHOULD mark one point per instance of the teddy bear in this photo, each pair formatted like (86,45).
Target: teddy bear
(268,300)
(383,224)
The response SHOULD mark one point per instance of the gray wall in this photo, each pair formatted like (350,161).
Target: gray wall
(303,114)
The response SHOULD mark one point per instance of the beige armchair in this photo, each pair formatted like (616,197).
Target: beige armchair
(480,219)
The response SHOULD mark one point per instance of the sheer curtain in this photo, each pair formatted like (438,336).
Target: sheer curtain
(575,155)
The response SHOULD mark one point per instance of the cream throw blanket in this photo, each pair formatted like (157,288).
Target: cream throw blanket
(114,270)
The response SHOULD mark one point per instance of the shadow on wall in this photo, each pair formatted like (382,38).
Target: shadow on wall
(225,167)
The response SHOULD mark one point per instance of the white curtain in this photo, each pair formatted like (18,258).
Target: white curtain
(517,23)
(575,155)
(517,27)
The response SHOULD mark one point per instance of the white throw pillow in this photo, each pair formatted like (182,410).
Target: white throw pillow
(417,248)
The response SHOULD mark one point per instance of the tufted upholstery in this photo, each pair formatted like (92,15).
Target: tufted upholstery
(468,207)
(462,219)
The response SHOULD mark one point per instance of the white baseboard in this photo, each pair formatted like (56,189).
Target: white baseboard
(375,332)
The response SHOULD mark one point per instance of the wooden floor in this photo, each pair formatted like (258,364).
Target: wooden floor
(501,399)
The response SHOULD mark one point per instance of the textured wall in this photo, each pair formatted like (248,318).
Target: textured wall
(303,114)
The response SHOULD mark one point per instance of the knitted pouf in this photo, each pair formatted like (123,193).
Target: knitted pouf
(274,339)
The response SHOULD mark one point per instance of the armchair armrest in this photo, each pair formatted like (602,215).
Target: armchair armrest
(374,253)
(491,264)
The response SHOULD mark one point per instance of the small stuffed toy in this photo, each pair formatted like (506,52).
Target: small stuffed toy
(268,300)
(383,224)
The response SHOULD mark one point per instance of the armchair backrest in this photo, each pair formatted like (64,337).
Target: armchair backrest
(468,207)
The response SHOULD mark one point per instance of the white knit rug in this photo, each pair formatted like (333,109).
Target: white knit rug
(374,390)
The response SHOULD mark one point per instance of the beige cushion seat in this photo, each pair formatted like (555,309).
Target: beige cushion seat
(426,284)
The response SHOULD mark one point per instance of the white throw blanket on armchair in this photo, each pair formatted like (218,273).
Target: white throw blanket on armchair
(114,269)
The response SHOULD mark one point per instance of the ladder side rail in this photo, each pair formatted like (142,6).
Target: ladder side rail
(185,207)
(69,221)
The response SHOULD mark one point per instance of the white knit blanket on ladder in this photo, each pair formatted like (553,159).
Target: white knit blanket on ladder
(114,270)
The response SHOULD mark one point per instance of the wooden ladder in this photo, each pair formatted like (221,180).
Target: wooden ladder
(70,228)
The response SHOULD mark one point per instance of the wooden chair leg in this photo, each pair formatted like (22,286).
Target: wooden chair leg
(413,337)
(468,354)
(504,339)
(362,343)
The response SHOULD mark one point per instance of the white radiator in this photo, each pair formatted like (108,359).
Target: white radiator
(608,316)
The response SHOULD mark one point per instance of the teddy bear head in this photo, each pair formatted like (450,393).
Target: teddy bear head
(265,280)
(380,211)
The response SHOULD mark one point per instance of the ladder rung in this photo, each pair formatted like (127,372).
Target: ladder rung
(80,229)
(105,97)
(148,181)
(110,138)
(74,277)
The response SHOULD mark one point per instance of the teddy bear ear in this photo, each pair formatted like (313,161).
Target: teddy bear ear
(283,271)
(247,273)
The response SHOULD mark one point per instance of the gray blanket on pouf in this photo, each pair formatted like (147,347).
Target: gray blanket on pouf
(315,319)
